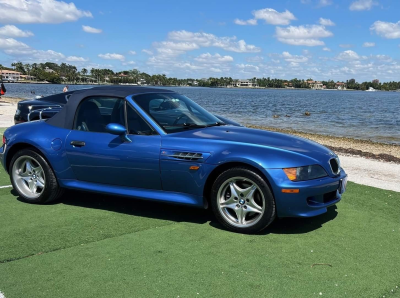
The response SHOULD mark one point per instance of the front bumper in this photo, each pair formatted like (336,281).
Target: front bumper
(2,156)
(314,196)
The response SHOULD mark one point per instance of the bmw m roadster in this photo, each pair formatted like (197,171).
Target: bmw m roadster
(155,144)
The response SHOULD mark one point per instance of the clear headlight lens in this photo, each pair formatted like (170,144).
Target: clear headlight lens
(17,112)
(305,173)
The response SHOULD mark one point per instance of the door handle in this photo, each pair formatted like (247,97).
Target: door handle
(78,143)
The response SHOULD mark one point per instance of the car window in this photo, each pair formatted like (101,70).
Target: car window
(174,112)
(94,113)
(136,124)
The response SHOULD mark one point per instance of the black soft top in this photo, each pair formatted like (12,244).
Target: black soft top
(65,118)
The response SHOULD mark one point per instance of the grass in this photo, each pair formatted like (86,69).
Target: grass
(100,246)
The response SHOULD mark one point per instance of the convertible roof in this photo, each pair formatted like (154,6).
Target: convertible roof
(65,118)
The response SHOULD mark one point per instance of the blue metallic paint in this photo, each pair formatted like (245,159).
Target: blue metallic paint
(106,164)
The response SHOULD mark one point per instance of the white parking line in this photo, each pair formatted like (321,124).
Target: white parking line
(5,186)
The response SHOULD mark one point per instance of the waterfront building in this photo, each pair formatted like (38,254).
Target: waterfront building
(243,83)
(340,86)
(10,75)
(316,85)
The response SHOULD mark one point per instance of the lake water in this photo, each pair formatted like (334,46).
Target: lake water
(363,115)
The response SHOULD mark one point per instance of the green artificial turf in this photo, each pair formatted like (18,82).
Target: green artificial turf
(102,246)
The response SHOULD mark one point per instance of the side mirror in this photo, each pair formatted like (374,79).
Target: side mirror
(119,130)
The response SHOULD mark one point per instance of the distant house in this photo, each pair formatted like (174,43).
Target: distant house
(192,83)
(340,86)
(10,75)
(48,70)
(316,85)
(26,77)
(243,83)
(142,82)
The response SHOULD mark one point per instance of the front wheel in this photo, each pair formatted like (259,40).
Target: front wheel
(33,178)
(242,201)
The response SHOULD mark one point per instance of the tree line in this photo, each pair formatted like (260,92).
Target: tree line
(66,73)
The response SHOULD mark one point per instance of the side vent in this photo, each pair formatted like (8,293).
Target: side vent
(187,155)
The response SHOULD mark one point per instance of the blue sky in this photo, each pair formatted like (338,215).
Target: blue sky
(319,39)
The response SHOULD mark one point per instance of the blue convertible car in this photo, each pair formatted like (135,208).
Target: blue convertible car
(158,145)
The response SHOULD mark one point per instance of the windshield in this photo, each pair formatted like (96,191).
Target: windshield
(174,112)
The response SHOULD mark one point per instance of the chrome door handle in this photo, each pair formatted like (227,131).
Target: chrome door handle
(77,143)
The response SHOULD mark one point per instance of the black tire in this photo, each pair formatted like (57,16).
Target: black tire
(51,191)
(267,198)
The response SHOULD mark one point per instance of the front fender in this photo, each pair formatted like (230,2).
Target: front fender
(260,156)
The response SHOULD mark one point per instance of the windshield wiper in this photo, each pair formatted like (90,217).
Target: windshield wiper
(193,125)
(216,124)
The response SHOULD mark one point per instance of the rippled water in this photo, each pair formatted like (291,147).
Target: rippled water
(357,114)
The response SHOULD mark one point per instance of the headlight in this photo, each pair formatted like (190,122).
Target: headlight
(305,173)
(17,112)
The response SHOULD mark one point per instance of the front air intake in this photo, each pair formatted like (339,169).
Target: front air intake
(335,165)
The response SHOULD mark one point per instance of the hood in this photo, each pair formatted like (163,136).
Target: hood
(261,137)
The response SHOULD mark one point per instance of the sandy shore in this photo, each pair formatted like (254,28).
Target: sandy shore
(7,110)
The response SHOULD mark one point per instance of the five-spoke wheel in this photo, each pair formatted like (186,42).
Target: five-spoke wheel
(242,200)
(28,176)
(33,178)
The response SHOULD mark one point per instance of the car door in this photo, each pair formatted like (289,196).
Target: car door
(100,157)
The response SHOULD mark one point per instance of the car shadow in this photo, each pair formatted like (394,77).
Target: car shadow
(179,213)
(295,225)
(136,207)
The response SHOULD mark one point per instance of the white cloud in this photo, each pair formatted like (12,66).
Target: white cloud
(386,29)
(112,56)
(40,11)
(270,16)
(89,29)
(248,67)
(171,48)
(132,53)
(33,55)
(76,59)
(308,35)
(210,40)
(148,52)
(22,51)
(326,22)
(11,43)
(349,56)
(248,22)
(325,3)
(293,58)
(217,58)
(384,58)
(362,5)
(129,63)
(368,44)
(326,49)
(215,69)
(255,59)
(13,31)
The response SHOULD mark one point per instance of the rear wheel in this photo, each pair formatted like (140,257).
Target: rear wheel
(33,178)
(242,201)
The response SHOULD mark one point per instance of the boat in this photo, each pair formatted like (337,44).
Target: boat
(371,89)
